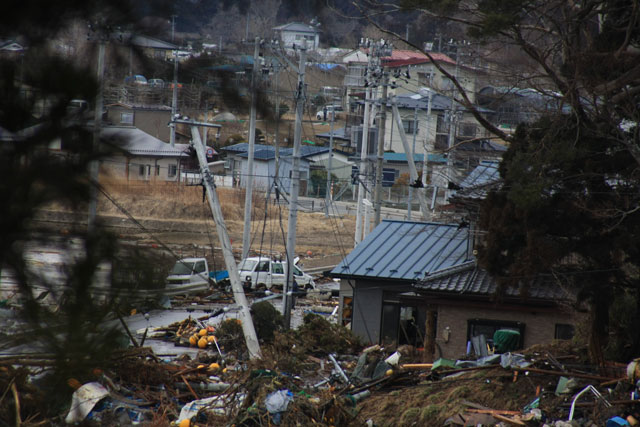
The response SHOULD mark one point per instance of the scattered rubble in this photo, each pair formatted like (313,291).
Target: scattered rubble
(317,374)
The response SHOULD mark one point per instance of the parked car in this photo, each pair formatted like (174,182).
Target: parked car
(137,79)
(178,85)
(156,83)
(257,272)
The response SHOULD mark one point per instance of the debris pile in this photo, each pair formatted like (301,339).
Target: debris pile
(318,374)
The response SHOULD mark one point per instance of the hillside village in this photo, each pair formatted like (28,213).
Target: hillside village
(420,210)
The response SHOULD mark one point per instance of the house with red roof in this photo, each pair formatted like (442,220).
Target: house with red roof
(409,71)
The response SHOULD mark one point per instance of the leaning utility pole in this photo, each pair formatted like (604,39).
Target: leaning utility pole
(412,155)
(246,233)
(248,329)
(413,172)
(295,188)
(377,203)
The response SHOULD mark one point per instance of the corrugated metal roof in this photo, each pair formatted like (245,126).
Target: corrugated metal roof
(470,280)
(403,250)
(402,157)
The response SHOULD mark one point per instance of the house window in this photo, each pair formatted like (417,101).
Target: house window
(409,126)
(172,170)
(157,170)
(564,331)
(425,78)
(442,125)
(486,327)
(141,170)
(467,130)
(402,324)
(126,118)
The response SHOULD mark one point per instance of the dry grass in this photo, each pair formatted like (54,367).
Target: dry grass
(180,216)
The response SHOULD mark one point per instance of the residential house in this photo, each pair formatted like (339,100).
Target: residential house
(265,166)
(513,106)
(152,119)
(137,156)
(431,125)
(152,47)
(409,71)
(405,275)
(297,34)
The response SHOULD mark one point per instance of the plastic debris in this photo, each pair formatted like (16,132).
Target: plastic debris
(278,401)
(83,401)
(513,360)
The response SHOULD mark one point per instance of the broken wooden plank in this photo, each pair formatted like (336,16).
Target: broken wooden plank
(512,421)
(417,366)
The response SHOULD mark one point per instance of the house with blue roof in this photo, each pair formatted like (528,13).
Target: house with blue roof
(264,165)
(420,284)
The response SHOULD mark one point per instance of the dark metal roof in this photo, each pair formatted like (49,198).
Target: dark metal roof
(266,152)
(478,183)
(468,279)
(339,133)
(438,103)
(403,250)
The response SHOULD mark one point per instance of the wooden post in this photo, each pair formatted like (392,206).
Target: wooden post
(430,335)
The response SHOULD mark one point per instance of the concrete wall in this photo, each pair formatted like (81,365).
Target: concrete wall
(539,324)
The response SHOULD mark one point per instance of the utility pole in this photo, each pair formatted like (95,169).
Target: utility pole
(362,167)
(275,139)
(97,127)
(412,156)
(246,234)
(248,329)
(374,69)
(295,188)
(174,97)
(329,169)
(381,135)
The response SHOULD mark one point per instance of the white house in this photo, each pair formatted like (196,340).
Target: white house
(136,155)
(264,167)
(409,70)
(297,33)
(432,133)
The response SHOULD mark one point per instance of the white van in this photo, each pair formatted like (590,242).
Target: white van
(256,272)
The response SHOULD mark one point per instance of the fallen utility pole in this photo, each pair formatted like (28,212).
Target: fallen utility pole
(248,329)
(413,172)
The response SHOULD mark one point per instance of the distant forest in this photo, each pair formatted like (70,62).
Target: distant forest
(341,22)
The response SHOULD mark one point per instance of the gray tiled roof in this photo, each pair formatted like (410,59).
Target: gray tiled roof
(405,251)
(468,279)
(140,143)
